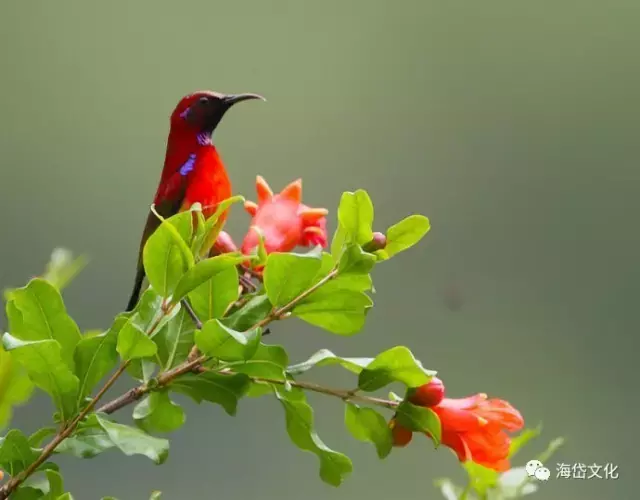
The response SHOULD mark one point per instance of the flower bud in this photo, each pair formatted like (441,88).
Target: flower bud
(400,436)
(378,242)
(428,394)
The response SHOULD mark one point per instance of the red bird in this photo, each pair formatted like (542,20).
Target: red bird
(193,171)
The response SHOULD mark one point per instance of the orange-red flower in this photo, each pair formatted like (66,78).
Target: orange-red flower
(475,428)
(283,220)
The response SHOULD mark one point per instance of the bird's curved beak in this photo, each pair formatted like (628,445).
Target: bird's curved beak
(232,99)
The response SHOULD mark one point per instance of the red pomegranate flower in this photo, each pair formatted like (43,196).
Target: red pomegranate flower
(475,428)
(283,220)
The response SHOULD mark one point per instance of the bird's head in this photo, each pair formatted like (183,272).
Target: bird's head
(201,112)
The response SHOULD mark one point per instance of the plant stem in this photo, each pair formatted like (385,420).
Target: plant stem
(48,450)
(277,313)
(68,429)
(166,378)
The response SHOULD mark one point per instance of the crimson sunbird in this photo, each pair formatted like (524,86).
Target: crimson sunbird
(193,171)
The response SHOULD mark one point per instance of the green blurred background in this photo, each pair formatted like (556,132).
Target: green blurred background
(512,125)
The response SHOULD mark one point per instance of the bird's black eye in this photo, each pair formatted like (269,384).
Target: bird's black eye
(203,101)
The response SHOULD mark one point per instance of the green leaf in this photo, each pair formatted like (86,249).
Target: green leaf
(287,275)
(88,441)
(40,435)
(133,343)
(175,340)
(219,341)
(37,312)
(257,309)
(132,441)
(157,413)
(42,359)
(15,386)
(356,261)
(166,255)
(224,390)
(66,496)
(269,361)
(366,424)
(419,419)
(15,453)
(355,215)
(324,357)
(553,447)
(63,267)
(482,479)
(214,225)
(95,357)
(25,492)
(394,365)
(155,495)
(205,270)
(517,442)
(213,298)
(56,485)
(342,312)
(404,235)
(334,466)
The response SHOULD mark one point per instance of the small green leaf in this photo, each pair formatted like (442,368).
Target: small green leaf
(521,440)
(366,424)
(334,466)
(324,357)
(15,386)
(224,390)
(213,298)
(219,341)
(132,441)
(95,357)
(63,267)
(269,361)
(157,413)
(394,365)
(355,215)
(37,312)
(343,312)
(65,496)
(287,275)
(214,225)
(482,479)
(419,419)
(175,340)
(205,270)
(257,309)
(88,441)
(25,492)
(40,435)
(15,453)
(155,495)
(42,359)
(553,447)
(404,235)
(167,255)
(356,261)
(56,485)
(133,343)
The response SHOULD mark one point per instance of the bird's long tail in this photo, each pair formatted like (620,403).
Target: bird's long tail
(137,288)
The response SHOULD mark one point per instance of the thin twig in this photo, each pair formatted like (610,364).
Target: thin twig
(66,431)
(191,313)
(166,378)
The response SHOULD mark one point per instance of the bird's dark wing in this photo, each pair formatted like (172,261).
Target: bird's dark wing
(173,192)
